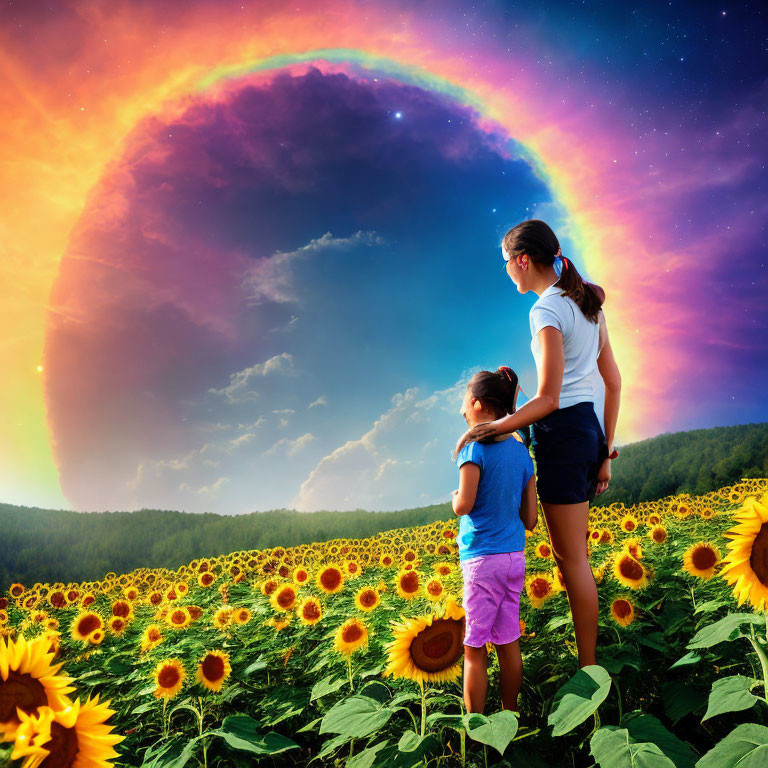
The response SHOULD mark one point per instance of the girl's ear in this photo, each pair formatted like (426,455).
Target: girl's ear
(477,405)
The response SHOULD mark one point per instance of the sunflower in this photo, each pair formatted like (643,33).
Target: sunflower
(57,598)
(594,535)
(633,547)
(558,582)
(310,611)
(205,579)
(29,680)
(707,513)
(241,615)
(75,735)
(179,617)
(542,549)
(409,555)
(278,623)
(658,534)
(427,648)
(654,518)
(169,678)
(628,523)
(746,563)
(300,576)
(386,560)
(17,590)
(330,578)
(85,623)
(629,571)
(434,589)
(122,608)
(599,572)
(367,598)
(606,536)
(213,669)
(700,560)
(352,568)
(539,587)
(407,584)
(268,586)
(151,637)
(222,616)
(443,568)
(117,625)
(623,611)
(350,636)
(284,598)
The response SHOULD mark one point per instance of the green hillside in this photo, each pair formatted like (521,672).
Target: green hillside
(60,545)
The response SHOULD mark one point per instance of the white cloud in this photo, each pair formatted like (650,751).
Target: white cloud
(392,466)
(322,400)
(240,388)
(211,490)
(291,447)
(269,279)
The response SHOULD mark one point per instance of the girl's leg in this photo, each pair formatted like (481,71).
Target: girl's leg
(475,678)
(511,666)
(567,526)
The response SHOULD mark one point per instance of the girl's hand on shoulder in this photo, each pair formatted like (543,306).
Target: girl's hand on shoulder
(478,432)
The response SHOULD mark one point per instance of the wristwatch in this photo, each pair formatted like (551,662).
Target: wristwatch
(613,454)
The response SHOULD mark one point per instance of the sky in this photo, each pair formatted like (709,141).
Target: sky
(250,252)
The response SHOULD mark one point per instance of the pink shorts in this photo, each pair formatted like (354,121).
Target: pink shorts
(492,586)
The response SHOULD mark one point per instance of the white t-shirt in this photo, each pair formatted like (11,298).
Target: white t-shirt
(581,376)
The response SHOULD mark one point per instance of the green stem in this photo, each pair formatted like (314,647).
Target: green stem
(349,669)
(618,694)
(693,598)
(423,708)
(201,716)
(165,728)
(763,660)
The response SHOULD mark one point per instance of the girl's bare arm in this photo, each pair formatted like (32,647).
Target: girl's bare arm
(529,512)
(606,364)
(464,498)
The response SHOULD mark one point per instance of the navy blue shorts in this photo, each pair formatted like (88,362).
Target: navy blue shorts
(569,448)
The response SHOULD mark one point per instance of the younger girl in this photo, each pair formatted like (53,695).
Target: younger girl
(496,501)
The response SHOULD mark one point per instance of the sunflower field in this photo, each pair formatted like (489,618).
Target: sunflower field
(349,653)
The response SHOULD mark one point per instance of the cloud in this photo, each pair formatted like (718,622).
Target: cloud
(392,465)
(240,383)
(211,490)
(322,400)
(291,447)
(269,279)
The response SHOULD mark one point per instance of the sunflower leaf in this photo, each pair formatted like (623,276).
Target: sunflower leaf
(356,716)
(580,697)
(325,686)
(367,757)
(244,733)
(689,658)
(613,747)
(647,728)
(745,746)
(726,628)
(730,694)
(497,731)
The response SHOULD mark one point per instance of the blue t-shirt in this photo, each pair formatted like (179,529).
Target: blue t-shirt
(494,525)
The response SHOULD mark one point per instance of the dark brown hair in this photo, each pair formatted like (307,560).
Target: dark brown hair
(496,390)
(535,238)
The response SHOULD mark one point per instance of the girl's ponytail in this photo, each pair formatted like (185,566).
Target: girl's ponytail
(496,389)
(536,238)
